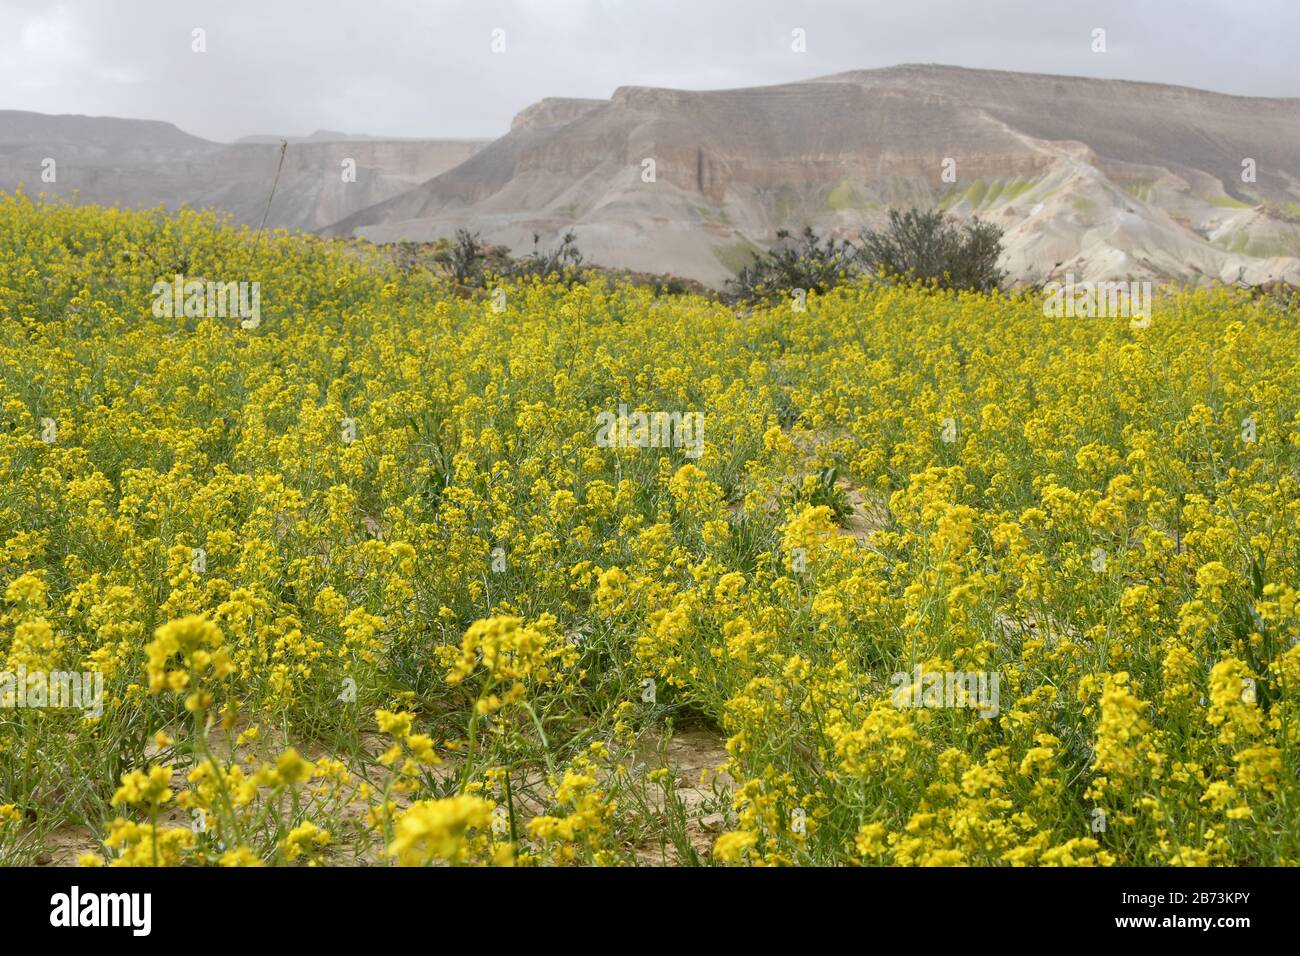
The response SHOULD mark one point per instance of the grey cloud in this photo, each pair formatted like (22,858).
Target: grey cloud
(426,69)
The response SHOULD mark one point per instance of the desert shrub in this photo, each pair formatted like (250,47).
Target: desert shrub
(913,245)
(465,257)
(562,261)
(810,263)
(936,250)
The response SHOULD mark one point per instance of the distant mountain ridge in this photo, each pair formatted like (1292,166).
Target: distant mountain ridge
(1104,178)
(333,136)
(1095,178)
(23,128)
(108,161)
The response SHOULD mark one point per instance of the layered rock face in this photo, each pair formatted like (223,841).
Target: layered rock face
(1099,178)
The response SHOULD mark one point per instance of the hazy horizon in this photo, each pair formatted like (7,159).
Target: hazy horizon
(391,69)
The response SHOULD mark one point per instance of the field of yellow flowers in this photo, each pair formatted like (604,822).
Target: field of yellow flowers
(360,584)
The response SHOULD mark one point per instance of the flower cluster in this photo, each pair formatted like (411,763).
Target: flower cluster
(384,508)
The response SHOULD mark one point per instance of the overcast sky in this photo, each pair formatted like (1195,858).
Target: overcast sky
(426,68)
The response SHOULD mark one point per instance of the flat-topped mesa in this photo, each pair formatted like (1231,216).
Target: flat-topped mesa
(1105,178)
(652,97)
(553,111)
